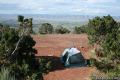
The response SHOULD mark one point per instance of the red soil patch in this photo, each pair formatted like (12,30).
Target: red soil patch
(54,45)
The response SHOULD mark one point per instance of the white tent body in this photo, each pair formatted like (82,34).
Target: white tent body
(71,56)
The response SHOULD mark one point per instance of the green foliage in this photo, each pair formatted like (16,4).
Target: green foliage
(8,38)
(25,54)
(101,27)
(80,30)
(5,74)
(45,65)
(46,28)
(105,32)
(25,23)
(20,18)
(61,30)
(23,62)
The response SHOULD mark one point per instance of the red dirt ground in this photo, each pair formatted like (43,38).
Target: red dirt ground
(54,45)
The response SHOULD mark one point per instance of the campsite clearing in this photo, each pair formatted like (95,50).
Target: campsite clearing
(53,45)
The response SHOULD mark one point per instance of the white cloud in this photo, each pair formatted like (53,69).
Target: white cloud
(100,1)
(67,6)
(9,1)
(92,11)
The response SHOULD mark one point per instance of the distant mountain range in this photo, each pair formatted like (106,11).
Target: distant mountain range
(65,20)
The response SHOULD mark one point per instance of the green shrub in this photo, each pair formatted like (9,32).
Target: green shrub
(104,31)
(5,74)
(61,30)
(45,65)
(81,29)
(46,28)
(22,62)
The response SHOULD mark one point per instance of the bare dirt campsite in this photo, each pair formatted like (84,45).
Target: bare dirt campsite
(52,45)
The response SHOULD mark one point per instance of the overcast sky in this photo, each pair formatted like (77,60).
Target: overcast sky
(67,7)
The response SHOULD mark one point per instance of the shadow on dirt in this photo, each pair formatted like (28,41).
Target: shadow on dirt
(56,63)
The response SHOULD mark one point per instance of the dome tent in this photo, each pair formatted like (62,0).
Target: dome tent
(72,57)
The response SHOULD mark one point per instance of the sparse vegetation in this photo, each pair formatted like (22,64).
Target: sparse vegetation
(81,29)
(104,31)
(61,30)
(46,28)
(5,74)
(25,23)
(17,54)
